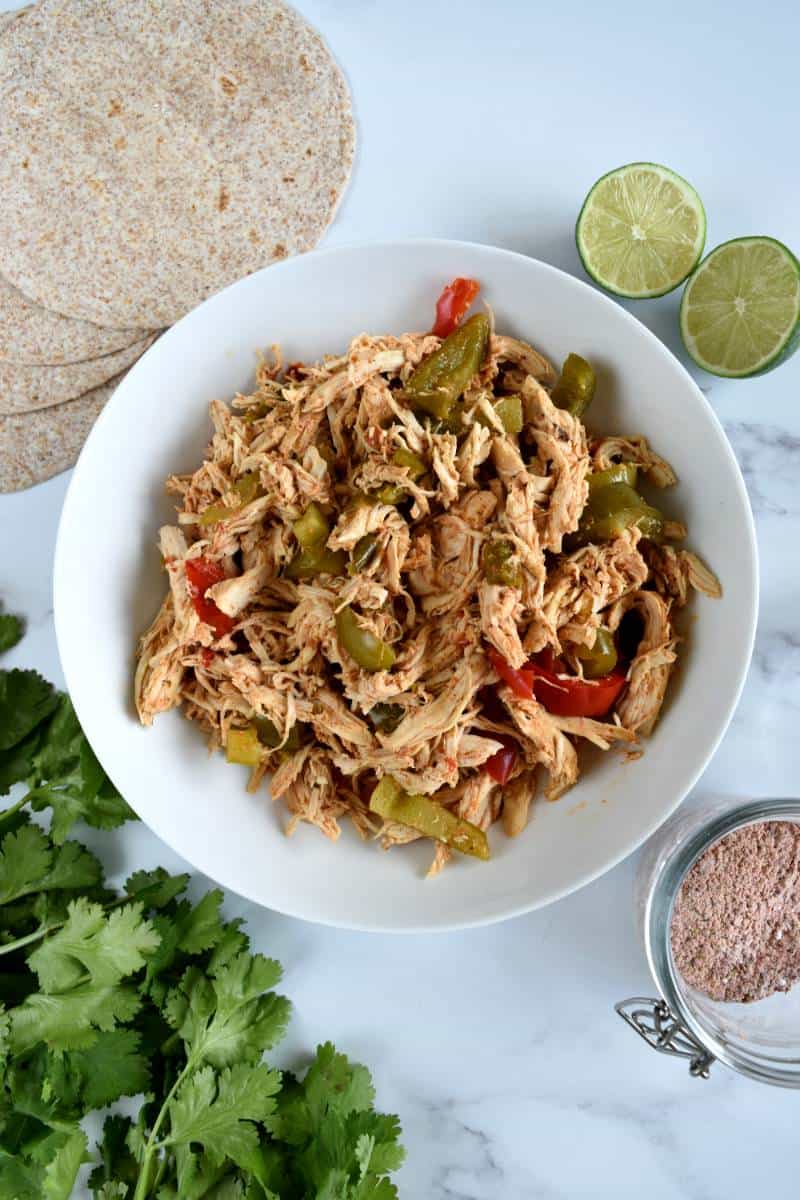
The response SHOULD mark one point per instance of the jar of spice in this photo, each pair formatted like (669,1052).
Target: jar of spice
(718,903)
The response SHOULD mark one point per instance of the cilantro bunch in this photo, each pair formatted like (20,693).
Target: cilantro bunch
(145,994)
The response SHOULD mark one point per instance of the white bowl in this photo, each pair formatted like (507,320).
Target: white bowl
(109,583)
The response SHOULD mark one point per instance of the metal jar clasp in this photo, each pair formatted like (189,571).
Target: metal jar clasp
(654,1021)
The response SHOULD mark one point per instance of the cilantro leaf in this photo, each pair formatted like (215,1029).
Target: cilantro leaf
(25,700)
(117,1168)
(155,889)
(333,1078)
(374,1189)
(30,863)
(104,947)
(49,1168)
(232,1015)
(200,928)
(61,1171)
(44,1087)
(113,1191)
(80,970)
(20,1179)
(111,1067)
(16,762)
(200,1177)
(217,1111)
(232,943)
(68,778)
(71,1021)
(382,1130)
(25,858)
(339,1146)
(185,931)
(10,631)
(5,1026)
(64,1086)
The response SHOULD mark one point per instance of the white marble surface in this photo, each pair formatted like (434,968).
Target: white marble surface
(499,1047)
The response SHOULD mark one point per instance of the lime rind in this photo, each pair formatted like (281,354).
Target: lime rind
(766,332)
(641,230)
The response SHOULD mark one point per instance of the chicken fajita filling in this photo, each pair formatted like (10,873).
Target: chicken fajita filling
(407,583)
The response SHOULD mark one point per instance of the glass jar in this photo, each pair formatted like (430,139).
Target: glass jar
(760,1039)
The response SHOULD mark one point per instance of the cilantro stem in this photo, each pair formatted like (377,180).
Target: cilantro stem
(10,947)
(162,1166)
(143,1184)
(14,808)
(38,934)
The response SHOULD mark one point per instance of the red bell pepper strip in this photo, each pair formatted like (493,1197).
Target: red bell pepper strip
(201,574)
(452,304)
(520,680)
(562,695)
(567,696)
(502,762)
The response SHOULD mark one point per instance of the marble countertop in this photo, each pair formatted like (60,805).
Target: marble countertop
(499,1047)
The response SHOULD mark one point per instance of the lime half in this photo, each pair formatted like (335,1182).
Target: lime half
(740,312)
(641,230)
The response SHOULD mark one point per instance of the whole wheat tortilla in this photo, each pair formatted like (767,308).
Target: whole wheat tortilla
(36,446)
(190,142)
(25,389)
(30,333)
(6,18)
(33,335)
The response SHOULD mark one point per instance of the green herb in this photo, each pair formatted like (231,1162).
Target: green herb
(10,631)
(42,745)
(146,994)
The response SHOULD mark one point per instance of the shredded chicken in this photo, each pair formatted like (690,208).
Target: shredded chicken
(404,521)
(649,673)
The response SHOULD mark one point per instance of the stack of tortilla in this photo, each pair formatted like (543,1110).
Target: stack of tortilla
(151,152)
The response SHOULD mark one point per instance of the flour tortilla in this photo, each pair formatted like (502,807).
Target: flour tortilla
(190,142)
(36,446)
(6,18)
(26,389)
(33,335)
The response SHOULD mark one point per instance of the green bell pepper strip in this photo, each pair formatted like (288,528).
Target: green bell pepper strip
(443,376)
(452,423)
(386,717)
(269,735)
(363,647)
(498,567)
(619,473)
(601,658)
(407,458)
(509,413)
(389,493)
(244,747)
(247,489)
(362,553)
(309,563)
(394,493)
(574,389)
(314,558)
(389,801)
(611,510)
(509,410)
(312,529)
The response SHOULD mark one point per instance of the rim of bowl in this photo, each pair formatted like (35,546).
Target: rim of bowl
(61,572)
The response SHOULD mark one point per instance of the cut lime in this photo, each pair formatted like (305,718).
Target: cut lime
(740,312)
(641,230)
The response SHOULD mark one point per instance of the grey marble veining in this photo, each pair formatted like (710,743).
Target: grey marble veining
(768,455)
